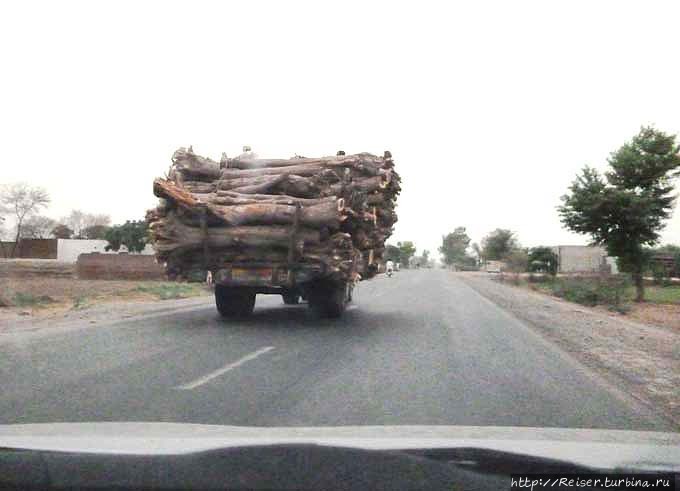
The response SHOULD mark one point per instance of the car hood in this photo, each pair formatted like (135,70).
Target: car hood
(606,449)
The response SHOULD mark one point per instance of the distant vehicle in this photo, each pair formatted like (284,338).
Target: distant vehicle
(494,266)
(389,268)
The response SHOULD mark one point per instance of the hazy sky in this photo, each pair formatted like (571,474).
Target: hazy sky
(489,108)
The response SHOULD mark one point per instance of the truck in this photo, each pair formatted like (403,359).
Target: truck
(303,228)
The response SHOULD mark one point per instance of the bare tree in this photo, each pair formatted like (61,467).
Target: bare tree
(94,220)
(22,201)
(37,227)
(79,221)
(75,221)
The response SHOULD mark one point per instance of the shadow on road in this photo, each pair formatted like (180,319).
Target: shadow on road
(300,318)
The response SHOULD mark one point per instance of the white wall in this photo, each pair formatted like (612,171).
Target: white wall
(68,250)
(583,259)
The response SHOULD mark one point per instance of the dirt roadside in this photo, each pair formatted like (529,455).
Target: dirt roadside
(36,300)
(640,359)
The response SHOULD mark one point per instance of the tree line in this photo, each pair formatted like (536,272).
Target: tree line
(498,245)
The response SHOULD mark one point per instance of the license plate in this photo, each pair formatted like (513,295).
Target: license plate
(258,275)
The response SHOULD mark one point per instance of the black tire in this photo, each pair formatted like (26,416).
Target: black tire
(328,299)
(234,302)
(291,298)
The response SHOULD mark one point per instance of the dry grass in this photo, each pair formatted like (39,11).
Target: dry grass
(64,293)
(664,315)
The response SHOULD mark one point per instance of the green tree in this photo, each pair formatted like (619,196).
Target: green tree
(132,234)
(454,246)
(392,253)
(626,209)
(407,251)
(542,259)
(499,244)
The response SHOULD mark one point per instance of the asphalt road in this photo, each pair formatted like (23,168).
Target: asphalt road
(418,348)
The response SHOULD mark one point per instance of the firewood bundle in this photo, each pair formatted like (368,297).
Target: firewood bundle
(334,211)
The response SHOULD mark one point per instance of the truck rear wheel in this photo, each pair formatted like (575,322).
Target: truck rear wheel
(234,302)
(328,299)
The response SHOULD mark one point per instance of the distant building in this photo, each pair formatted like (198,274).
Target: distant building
(665,263)
(584,259)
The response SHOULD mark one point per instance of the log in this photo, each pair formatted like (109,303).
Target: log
(171,234)
(306,169)
(366,185)
(190,164)
(226,184)
(195,187)
(297,186)
(232,198)
(168,190)
(364,162)
(322,215)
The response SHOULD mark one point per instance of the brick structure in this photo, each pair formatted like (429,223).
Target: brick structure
(35,268)
(30,249)
(95,266)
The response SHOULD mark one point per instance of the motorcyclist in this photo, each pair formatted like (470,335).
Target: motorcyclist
(389,267)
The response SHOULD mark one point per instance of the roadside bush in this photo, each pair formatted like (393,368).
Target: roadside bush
(517,262)
(30,300)
(591,291)
(659,274)
(539,278)
(80,302)
(169,291)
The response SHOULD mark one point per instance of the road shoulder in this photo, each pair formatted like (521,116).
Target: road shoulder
(96,316)
(640,359)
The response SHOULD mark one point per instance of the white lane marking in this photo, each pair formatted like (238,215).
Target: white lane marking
(207,378)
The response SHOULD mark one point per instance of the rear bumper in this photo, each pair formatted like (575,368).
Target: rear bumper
(267,276)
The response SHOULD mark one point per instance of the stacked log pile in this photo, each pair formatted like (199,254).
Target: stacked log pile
(334,211)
